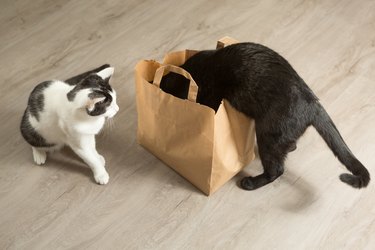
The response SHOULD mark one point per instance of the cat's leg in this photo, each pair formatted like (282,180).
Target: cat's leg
(85,148)
(272,152)
(101,159)
(39,155)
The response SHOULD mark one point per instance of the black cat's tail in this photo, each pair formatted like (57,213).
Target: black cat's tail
(360,177)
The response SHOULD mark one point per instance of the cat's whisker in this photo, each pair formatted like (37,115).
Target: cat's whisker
(109,124)
(113,124)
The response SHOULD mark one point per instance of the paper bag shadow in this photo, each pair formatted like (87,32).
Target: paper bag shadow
(175,180)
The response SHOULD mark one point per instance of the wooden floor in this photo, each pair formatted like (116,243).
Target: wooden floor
(146,205)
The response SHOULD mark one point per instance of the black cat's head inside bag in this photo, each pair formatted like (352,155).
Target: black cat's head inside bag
(176,85)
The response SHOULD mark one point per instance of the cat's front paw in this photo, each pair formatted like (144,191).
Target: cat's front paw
(102,178)
(39,156)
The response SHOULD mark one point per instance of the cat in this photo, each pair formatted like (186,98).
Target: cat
(71,113)
(260,83)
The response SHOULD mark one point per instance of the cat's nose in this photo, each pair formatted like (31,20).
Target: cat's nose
(117,108)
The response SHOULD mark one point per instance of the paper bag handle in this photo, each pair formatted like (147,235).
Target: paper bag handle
(193,87)
(225,41)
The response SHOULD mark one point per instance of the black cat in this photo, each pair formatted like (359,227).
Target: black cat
(261,84)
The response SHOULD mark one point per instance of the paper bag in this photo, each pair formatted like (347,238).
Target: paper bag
(205,147)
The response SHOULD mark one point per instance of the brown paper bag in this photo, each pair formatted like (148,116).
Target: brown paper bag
(206,148)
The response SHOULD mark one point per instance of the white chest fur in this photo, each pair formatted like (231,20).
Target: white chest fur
(90,126)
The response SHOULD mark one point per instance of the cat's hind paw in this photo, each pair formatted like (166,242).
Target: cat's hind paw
(247,183)
(102,178)
(39,156)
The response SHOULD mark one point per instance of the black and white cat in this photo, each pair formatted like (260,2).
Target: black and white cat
(261,84)
(71,113)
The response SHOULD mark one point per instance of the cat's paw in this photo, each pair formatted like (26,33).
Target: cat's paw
(247,183)
(39,156)
(102,178)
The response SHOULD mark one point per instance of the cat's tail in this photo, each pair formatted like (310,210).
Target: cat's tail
(360,177)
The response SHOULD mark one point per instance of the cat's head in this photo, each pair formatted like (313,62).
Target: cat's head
(95,95)
(175,84)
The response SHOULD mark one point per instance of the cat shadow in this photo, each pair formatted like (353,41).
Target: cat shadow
(67,160)
(301,193)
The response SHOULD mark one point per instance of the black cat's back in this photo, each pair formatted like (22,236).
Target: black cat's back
(251,73)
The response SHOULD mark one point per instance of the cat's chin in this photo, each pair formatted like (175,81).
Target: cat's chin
(110,115)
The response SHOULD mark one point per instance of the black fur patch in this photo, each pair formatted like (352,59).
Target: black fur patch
(36,99)
(30,134)
(92,81)
(180,90)
(100,107)
(76,79)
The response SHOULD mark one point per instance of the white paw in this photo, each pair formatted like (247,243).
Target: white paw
(39,156)
(102,178)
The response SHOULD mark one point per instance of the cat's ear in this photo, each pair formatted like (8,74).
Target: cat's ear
(106,73)
(92,100)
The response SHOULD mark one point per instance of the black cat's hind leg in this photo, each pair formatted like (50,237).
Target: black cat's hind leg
(272,170)
(272,154)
